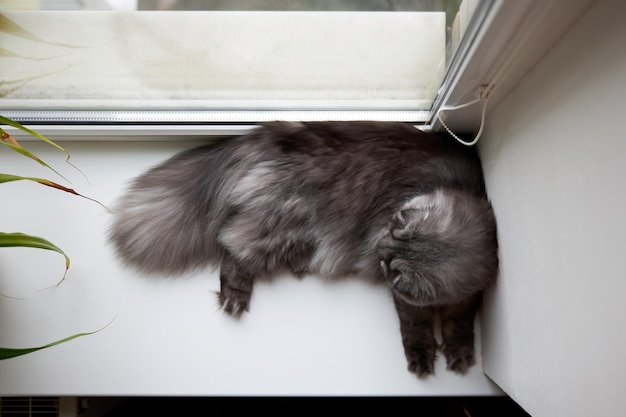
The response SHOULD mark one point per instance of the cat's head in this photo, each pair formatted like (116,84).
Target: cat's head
(440,248)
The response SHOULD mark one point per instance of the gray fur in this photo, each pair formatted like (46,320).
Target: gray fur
(380,200)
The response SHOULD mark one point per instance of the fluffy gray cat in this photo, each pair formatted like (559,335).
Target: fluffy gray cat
(375,199)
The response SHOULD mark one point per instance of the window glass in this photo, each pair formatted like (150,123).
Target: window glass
(73,61)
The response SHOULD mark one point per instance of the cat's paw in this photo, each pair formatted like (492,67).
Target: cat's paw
(422,364)
(232,306)
(459,358)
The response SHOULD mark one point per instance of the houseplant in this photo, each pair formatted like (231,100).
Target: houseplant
(18,239)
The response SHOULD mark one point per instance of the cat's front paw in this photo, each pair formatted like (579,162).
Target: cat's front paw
(232,306)
(235,287)
(459,358)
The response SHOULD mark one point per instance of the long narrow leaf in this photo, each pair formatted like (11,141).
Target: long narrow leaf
(24,240)
(7,353)
(13,123)
(9,122)
(11,143)
(47,183)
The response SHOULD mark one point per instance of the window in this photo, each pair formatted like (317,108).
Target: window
(123,62)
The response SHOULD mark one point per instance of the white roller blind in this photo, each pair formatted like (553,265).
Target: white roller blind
(220,66)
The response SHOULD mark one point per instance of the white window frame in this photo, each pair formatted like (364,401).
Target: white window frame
(504,40)
(513,37)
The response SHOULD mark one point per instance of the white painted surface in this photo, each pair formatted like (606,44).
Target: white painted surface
(553,154)
(168,338)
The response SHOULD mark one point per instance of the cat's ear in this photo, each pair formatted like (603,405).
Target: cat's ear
(404,222)
(398,221)
(407,220)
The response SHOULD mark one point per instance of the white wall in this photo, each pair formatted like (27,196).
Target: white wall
(554,157)
(168,337)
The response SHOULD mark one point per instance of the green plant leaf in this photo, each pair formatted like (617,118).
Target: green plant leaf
(24,240)
(47,183)
(17,148)
(13,123)
(42,181)
(7,353)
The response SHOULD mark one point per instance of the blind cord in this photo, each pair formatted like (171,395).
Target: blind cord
(484,99)
(534,18)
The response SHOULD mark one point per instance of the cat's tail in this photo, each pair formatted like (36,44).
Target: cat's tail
(165,223)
